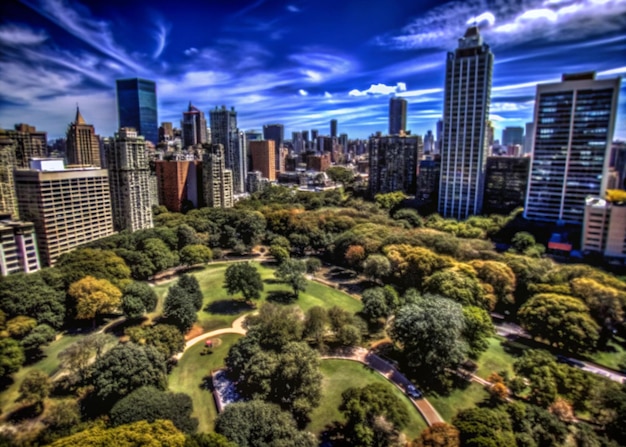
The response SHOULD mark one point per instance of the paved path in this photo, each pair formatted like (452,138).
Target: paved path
(236,328)
(428,412)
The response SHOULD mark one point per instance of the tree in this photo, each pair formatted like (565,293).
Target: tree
(315,324)
(208,440)
(20,326)
(159,254)
(292,271)
(35,387)
(389,200)
(149,404)
(78,356)
(195,254)
(191,286)
(355,254)
(276,325)
(478,329)
(348,336)
(179,309)
(458,283)
(244,278)
(60,418)
(126,368)
(375,305)
(499,278)
(430,334)
(340,174)
(440,434)
(484,427)
(261,424)
(366,408)
(166,338)
(279,253)
(186,236)
(138,298)
(11,357)
(410,265)
(158,433)
(562,320)
(540,371)
(410,216)
(39,337)
(93,297)
(101,264)
(376,267)
(524,243)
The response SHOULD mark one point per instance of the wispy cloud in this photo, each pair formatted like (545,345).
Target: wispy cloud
(160,35)
(293,8)
(379,89)
(17,35)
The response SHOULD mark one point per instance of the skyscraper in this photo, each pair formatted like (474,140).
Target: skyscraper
(393,163)
(333,128)
(574,123)
(194,127)
(29,143)
(129,176)
(83,146)
(218,181)
(397,115)
(8,201)
(263,158)
(224,131)
(512,135)
(506,179)
(275,132)
(465,115)
(137,107)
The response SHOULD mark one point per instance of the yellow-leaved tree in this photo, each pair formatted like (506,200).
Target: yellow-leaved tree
(93,297)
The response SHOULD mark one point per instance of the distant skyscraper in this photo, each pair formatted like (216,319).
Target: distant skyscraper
(297,142)
(129,176)
(393,163)
(194,127)
(275,132)
(264,158)
(429,142)
(83,145)
(166,131)
(333,128)
(465,115)
(224,131)
(137,107)
(574,123)
(512,136)
(528,138)
(397,115)
(218,181)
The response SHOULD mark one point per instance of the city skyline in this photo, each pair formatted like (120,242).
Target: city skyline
(297,63)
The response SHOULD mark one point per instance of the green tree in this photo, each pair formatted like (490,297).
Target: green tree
(78,356)
(340,174)
(411,265)
(244,278)
(276,325)
(375,305)
(458,283)
(315,324)
(186,236)
(195,254)
(478,329)
(20,326)
(261,424)
(540,373)
(390,200)
(100,264)
(93,297)
(39,337)
(365,410)
(149,404)
(440,434)
(410,216)
(208,440)
(11,357)
(179,308)
(498,278)
(138,298)
(168,339)
(159,254)
(484,427)
(376,267)
(279,253)
(292,271)
(191,286)
(60,418)
(348,336)
(562,320)
(35,387)
(430,334)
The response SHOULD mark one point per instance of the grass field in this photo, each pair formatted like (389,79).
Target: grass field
(190,373)
(459,399)
(613,357)
(340,375)
(495,359)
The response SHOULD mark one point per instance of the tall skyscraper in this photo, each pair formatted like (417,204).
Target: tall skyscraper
(465,115)
(506,179)
(218,181)
(333,128)
(137,107)
(129,176)
(263,158)
(574,123)
(528,138)
(275,132)
(429,142)
(512,136)
(224,131)
(69,207)
(397,115)
(83,145)
(194,127)
(393,163)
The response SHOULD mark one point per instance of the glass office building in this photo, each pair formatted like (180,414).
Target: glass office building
(137,107)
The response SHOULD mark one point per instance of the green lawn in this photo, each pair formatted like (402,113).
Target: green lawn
(340,375)
(613,357)
(188,376)
(495,359)
(457,400)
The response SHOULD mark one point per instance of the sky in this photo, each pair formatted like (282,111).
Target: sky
(296,62)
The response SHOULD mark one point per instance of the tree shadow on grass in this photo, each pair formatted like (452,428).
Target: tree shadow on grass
(228,307)
(24,413)
(281,296)
(272,281)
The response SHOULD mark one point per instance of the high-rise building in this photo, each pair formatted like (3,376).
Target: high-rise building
(333,128)
(297,142)
(512,135)
(8,201)
(166,131)
(218,181)
(179,184)
(264,158)
(465,114)
(83,145)
(393,163)
(69,207)
(29,143)
(194,127)
(397,116)
(506,179)
(224,131)
(427,186)
(528,138)
(429,142)
(129,177)
(574,123)
(604,228)
(137,107)
(18,247)
(275,132)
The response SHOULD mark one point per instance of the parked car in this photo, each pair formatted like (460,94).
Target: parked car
(413,392)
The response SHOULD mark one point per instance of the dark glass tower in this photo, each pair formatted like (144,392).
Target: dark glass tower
(224,131)
(397,116)
(137,107)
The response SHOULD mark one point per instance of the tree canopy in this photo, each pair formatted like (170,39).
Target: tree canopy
(94,296)
(138,298)
(244,278)
(179,308)
(292,271)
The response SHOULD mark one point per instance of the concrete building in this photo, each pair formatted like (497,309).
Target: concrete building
(427,183)
(224,131)
(218,181)
(69,207)
(604,228)
(512,136)
(83,145)
(465,121)
(29,143)
(129,177)
(263,154)
(319,163)
(574,122)
(397,116)
(194,127)
(137,107)
(275,132)
(8,201)
(179,184)
(506,179)
(18,247)
(393,163)
(256,182)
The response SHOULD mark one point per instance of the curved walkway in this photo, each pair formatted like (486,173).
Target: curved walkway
(362,355)
(236,328)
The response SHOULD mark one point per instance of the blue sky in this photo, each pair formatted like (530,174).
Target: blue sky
(297,62)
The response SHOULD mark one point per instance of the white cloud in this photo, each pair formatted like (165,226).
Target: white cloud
(379,89)
(293,8)
(484,17)
(327,95)
(191,51)
(17,35)
(160,35)
(302,92)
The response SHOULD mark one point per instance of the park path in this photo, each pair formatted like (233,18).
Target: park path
(388,371)
(236,328)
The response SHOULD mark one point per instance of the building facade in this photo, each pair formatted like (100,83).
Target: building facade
(506,179)
(29,143)
(18,247)
(69,207)
(512,136)
(224,131)
(397,116)
(8,201)
(218,181)
(194,127)
(129,177)
(574,123)
(465,120)
(83,145)
(137,107)
(263,155)
(393,163)
(604,228)
(179,184)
